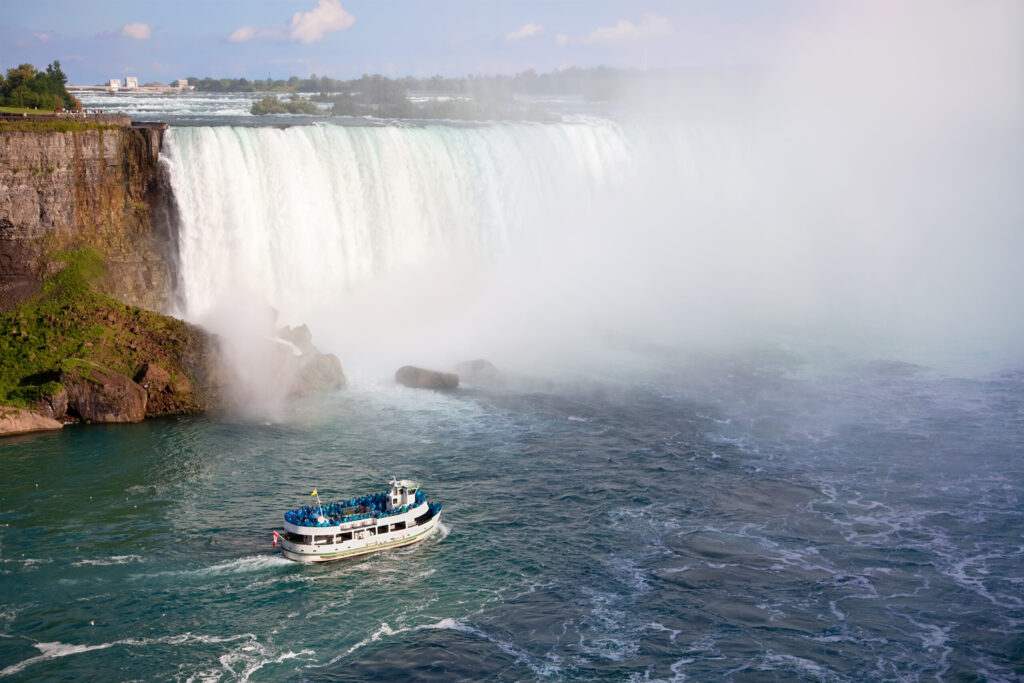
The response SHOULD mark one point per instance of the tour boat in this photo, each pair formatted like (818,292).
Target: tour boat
(379,521)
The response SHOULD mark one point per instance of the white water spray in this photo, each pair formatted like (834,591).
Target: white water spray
(857,200)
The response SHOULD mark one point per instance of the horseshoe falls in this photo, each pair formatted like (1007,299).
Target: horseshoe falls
(427,241)
(530,243)
(761,416)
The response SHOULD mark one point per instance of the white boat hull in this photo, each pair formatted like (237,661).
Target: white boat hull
(368,543)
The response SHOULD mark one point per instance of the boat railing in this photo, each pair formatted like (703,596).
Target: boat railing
(354,510)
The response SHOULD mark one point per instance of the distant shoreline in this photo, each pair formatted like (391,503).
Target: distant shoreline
(144,89)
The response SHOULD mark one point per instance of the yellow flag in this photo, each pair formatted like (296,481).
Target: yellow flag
(314,492)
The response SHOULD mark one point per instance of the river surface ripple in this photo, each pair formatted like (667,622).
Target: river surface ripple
(741,522)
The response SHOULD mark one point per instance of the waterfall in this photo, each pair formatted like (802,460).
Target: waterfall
(355,226)
(303,213)
(410,244)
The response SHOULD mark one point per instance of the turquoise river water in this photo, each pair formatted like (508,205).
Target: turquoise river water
(735,520)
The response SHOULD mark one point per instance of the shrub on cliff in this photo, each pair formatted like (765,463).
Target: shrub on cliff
(70,319)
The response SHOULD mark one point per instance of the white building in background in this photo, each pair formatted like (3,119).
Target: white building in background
(114,83)
(182,84)
(131,82)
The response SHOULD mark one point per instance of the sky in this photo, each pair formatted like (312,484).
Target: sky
(163,40)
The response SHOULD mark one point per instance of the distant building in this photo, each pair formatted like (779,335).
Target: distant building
(131,82)
(114,83)
(181,84)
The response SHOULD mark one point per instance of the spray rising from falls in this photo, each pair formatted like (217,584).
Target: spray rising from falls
(401,240)
(434,244)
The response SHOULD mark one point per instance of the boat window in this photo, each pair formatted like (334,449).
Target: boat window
(298,538)
(398,526)
(423,518)
(372,530)
(319,540)
(345,536)
(382,529)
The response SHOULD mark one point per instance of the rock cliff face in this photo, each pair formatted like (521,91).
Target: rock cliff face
(87,260)
(98,185)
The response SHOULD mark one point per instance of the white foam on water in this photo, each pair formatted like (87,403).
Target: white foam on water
(8,614)
(935,641)
(540,668)
(29,563)
(806,667)
(678,668)
(244,661)
(57,650)
(107,561)
(242,565)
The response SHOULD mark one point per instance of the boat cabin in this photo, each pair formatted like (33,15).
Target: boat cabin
(403,493)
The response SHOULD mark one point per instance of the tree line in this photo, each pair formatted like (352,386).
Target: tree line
(24,86)
(596,83)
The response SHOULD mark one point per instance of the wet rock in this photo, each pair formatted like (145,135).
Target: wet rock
(319,372)
(53,405)
(22,421)
(480,371)
(301,337)
(99,394)
(153,378)
(421,378)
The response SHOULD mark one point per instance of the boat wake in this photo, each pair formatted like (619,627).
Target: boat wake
(242,565)
(253,654)
(107,561)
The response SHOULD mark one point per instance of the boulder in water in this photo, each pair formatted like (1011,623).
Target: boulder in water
(319,372)
(99,394)
(300,337)
(421,378)
(479,371)
(22,421)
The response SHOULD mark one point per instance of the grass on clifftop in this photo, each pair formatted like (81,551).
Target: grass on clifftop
(60,125)
(69,319)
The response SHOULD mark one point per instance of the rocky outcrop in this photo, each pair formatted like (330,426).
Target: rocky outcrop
(53,405)
(21,421)
(421,378)
(153,378)
(306,369)
(168,393)
(480,372)
(99,394)
(319,372)
(91,185)
(300,337)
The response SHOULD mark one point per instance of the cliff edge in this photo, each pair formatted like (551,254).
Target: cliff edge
(65,183)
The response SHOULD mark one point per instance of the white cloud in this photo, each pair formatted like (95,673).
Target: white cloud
(247,33)
(523,32)
(42,37)
(304,27)
(138,31)
(327,17)
(625,32)
(241,35)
